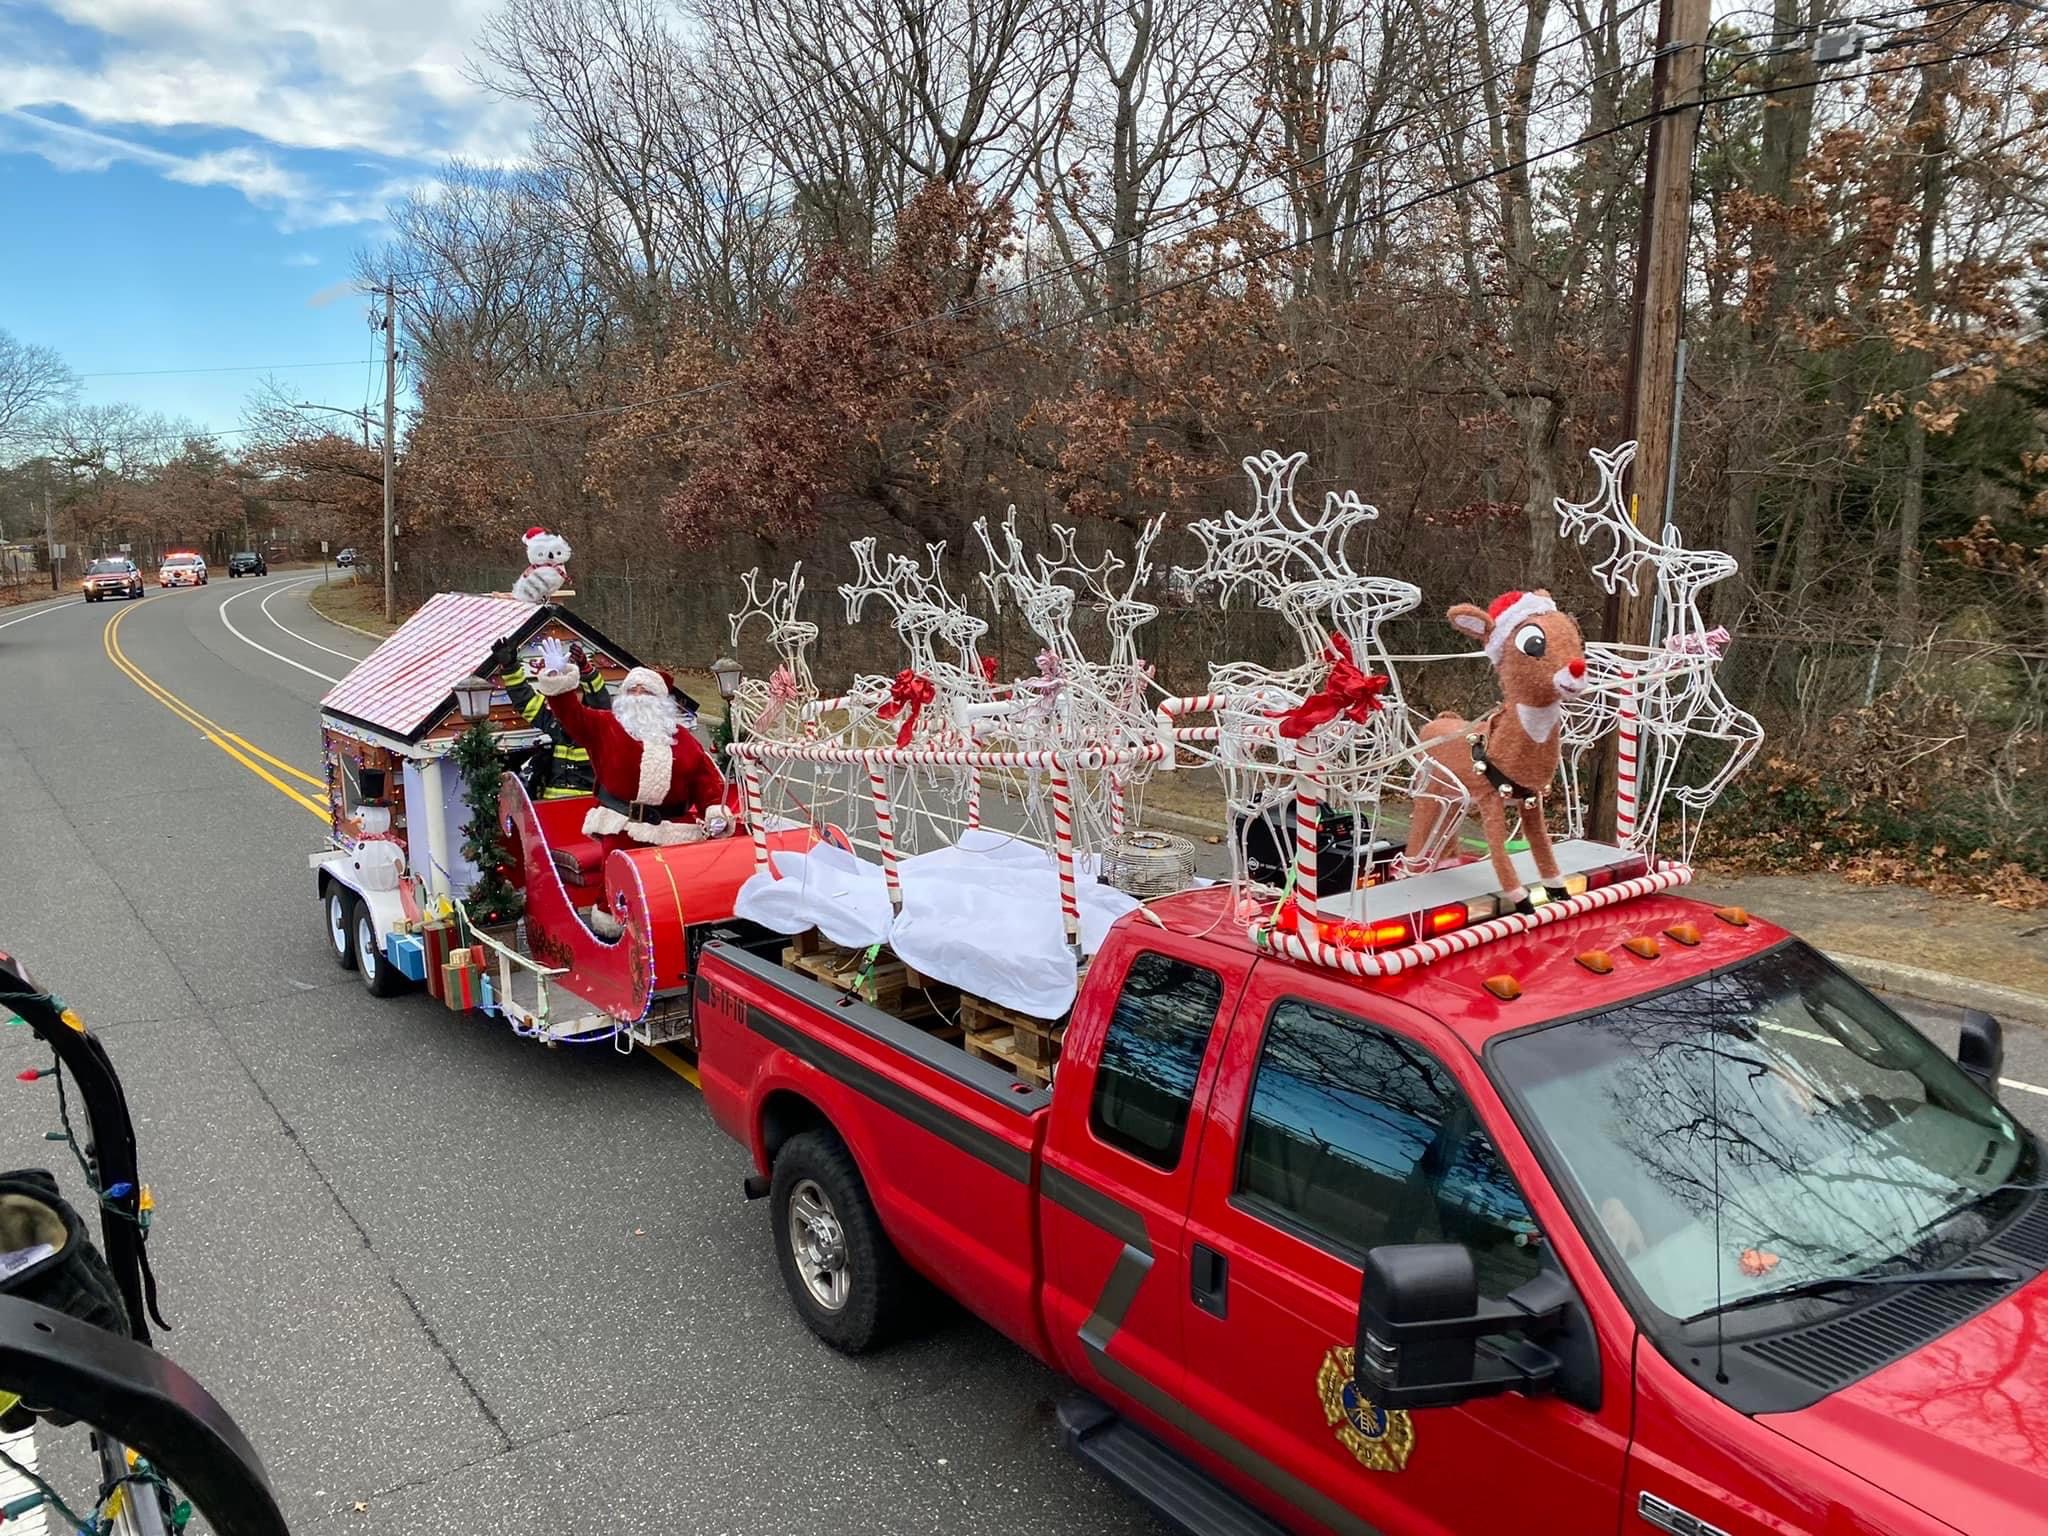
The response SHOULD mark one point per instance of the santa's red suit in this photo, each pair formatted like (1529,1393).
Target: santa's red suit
(658,786)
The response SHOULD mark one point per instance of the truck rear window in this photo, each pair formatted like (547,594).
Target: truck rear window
(1151,1056)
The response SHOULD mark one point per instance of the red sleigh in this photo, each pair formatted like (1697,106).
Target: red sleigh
(666,900)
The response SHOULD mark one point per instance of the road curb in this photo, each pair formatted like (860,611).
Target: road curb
(2011,1005)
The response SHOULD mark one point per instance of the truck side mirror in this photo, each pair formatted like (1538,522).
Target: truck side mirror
(1980,1051)
(1421,1323)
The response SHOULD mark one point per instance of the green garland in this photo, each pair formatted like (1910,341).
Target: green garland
(493,899)
(722,739)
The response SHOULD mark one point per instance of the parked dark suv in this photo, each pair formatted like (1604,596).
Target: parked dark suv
(247,562)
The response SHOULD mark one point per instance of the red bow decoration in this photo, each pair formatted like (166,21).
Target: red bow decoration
(908,695)
(988,669)
(1346,691)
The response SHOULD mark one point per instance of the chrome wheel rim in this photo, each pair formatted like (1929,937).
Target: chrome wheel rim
(819,1243)
(366,949)
(337,922)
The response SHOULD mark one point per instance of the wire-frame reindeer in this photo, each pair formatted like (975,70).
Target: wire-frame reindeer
(777,705)
(1299,564)
(941,639)
(1661,698)
(1089,702)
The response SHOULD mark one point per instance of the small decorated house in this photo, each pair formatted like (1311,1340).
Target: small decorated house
(387,728)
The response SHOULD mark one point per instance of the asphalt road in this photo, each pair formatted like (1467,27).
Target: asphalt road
(445,1279)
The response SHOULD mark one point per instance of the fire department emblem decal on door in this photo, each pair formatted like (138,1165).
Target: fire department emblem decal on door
(1380,1439)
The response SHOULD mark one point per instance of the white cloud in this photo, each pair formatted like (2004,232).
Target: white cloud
(342,77)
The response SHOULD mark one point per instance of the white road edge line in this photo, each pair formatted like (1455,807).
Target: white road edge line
(280,623)
(43,613)
(266,650)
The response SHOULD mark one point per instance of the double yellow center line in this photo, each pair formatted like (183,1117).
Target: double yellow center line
(250,757)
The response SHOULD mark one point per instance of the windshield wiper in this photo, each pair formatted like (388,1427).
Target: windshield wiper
(1961,1274)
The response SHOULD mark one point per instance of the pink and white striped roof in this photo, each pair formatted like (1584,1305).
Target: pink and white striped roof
(402,685)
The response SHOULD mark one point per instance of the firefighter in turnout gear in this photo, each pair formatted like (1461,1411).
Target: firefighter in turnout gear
(558,768)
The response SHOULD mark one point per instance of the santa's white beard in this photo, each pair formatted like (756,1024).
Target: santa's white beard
(649,719)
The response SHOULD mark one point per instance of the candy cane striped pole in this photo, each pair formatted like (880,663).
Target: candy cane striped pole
(1063,841)
(1116,805)
(1627,751)
(973,798)
(1308,802)
(757,820)
(885,833)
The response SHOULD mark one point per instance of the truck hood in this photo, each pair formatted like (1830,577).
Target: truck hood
(1958,1428)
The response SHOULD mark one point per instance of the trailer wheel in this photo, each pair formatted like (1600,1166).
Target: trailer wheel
(380,977)
(338,905)
(841,1270)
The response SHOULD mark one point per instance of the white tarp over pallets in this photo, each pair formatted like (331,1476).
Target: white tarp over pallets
(982,915)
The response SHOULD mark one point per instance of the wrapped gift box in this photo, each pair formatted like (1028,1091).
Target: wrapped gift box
(408,955)
(461,982)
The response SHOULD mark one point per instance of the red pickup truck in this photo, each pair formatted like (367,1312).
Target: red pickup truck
(1648,1219)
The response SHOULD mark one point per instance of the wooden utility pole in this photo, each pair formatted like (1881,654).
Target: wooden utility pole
(1660,304)
(390,442)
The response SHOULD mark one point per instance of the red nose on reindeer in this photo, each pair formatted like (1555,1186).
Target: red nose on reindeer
(1576,666)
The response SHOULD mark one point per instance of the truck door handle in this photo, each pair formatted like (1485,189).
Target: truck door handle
(1209,1280)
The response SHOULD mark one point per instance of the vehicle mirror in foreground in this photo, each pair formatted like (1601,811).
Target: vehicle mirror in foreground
(1980,1051)
(1424,1333)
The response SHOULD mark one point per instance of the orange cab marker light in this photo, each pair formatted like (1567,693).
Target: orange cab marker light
(1683,933)
(1598,961)
(1504,987)
(1644,946)
(1733,915)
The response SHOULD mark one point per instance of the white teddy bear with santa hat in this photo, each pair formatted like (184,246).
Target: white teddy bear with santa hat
(547,556)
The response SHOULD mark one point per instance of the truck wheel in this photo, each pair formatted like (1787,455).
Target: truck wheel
(842,1271)
(380,977)
(338,905)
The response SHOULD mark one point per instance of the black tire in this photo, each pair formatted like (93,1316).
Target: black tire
(338,911)
(816,1167)
(379,977)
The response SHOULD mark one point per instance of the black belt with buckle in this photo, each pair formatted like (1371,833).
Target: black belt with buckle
(641,811)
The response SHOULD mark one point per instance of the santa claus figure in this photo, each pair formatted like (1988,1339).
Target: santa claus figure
(656,785)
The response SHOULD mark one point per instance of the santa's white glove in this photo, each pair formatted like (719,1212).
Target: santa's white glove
(717,821)
(554,655)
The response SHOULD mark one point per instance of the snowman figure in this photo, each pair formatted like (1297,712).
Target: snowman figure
(547,556)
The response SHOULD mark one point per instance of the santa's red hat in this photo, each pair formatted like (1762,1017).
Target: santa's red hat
(1509,610)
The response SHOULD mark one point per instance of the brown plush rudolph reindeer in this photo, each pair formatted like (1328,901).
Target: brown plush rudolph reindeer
(1511,755)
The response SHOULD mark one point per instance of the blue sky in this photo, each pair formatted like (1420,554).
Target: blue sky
(183,183)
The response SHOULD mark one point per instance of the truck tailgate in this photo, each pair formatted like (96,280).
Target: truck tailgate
(947,1144)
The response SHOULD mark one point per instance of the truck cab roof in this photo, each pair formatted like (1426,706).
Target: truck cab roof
(1549,979)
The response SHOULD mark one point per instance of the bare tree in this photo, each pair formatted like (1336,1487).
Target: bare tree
(33,379)
(1159,127)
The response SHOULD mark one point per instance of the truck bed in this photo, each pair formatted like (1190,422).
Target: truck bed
(960,1137)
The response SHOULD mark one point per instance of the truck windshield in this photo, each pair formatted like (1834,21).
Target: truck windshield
(1766,1127)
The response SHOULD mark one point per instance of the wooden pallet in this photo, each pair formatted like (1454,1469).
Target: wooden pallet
(888,984)
(1027,1046)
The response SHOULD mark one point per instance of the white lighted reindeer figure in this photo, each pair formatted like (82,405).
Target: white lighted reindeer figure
(779,704)
(1300,565)
(1658,699)
(1076,702)
(944,672)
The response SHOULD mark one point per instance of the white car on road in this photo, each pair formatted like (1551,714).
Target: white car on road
(182,571)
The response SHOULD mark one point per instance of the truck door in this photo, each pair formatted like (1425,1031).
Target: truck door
(1117,1165)
(1325,1136)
